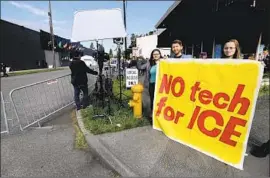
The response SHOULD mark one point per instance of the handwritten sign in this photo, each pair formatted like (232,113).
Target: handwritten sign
(208,105)
(131,77)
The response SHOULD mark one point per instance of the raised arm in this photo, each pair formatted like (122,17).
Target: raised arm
(141,66)
(88,70)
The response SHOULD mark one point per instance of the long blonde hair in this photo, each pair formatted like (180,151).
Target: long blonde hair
(237,54)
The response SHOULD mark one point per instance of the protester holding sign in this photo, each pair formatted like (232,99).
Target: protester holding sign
(155,57)
(177,49)
(150,77)
(232,50)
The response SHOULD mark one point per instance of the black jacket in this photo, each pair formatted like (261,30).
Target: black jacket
(266,60)
(78,72)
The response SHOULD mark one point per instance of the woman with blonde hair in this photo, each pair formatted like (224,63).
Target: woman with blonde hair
(231,50)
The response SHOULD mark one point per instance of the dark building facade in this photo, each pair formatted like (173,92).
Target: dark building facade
(20,46)
(23,48)
(203,24)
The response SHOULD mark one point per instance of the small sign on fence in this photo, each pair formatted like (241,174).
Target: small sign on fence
(52,82)
(131,77)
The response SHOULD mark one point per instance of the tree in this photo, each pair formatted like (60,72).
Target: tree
(151,33)
(111,53)
(92,46)
(129,51)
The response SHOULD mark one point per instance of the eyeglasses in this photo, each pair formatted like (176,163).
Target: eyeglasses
(156,54)
(229,48)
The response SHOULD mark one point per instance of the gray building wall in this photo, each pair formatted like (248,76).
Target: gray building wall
(49,58)
(20,47)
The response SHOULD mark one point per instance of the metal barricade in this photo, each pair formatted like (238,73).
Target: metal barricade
(36,102)
(4,121)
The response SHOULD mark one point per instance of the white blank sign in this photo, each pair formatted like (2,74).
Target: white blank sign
(97,25)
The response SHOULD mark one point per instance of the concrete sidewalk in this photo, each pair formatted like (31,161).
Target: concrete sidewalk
(48,152)
(150,153)
(147,152)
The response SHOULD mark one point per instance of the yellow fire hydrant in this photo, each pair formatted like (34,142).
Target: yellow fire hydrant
(136,103)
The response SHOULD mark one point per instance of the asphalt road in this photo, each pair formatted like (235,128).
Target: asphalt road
(9,83)
(35,102)
(48,152)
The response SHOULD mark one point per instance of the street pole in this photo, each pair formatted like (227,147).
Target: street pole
(201,46)
(258,47)
(52,35)
(124,7)
(214,47)
(192,50)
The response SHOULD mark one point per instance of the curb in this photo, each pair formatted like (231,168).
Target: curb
(103,152)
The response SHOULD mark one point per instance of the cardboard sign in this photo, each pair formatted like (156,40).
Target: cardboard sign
(208,105)
(131,77)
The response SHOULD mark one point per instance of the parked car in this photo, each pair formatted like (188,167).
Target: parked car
(89,61)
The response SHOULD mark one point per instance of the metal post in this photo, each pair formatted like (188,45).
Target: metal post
(214,46)
(192,50)
(201,46)
(217,5)
(52,35)
(124,7)
(258,47)
(119,75)
(4,112)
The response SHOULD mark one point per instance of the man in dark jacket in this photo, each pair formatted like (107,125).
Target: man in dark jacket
(79,80)
(266,59)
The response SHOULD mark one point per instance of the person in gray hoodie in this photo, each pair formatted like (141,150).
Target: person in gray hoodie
(150,76)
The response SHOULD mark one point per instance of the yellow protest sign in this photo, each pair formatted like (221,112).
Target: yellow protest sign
(208,105)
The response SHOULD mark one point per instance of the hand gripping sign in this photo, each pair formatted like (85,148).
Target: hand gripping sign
(208,105)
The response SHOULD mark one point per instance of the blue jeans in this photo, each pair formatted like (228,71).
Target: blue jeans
(77,91)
